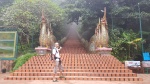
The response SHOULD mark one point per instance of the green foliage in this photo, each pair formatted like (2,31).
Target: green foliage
(125,44)
(120,14)
(26,15)
(3,4)
(22,59)
(25,48)
(124,13)
(146,42)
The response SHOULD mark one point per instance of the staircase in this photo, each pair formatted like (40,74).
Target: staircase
(78,65)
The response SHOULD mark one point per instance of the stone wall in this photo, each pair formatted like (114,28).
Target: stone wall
(6,63)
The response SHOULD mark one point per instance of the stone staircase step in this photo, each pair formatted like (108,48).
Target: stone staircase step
(69,67)
(74,74)
(79,70)
(74,78)
(77,62)
(63,64)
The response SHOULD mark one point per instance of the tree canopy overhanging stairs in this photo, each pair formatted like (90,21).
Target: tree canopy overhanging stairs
(78,65)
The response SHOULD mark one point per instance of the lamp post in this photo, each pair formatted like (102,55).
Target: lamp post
(140,27)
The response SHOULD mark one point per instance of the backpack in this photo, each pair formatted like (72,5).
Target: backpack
(55,56)
(52,54)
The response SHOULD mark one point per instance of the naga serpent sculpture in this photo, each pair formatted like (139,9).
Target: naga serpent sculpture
(101,37)
(104,37)
(46,38)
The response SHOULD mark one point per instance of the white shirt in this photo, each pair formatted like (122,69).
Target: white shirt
(56,52)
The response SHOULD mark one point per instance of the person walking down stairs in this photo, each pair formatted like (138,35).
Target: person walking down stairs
(57,61)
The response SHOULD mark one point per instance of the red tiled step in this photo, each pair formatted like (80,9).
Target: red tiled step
(70,67)
(94,65)
(74,78)
(73,62)
(74,74)
(79,70)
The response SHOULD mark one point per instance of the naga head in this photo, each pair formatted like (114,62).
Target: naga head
(43,17)
(104,19)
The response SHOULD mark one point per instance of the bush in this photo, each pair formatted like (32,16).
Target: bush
(125,44)
(22,59)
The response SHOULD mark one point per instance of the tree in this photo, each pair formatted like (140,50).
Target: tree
(3,4)
(124,13)
(25,15)
(125,44)
(120,14)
